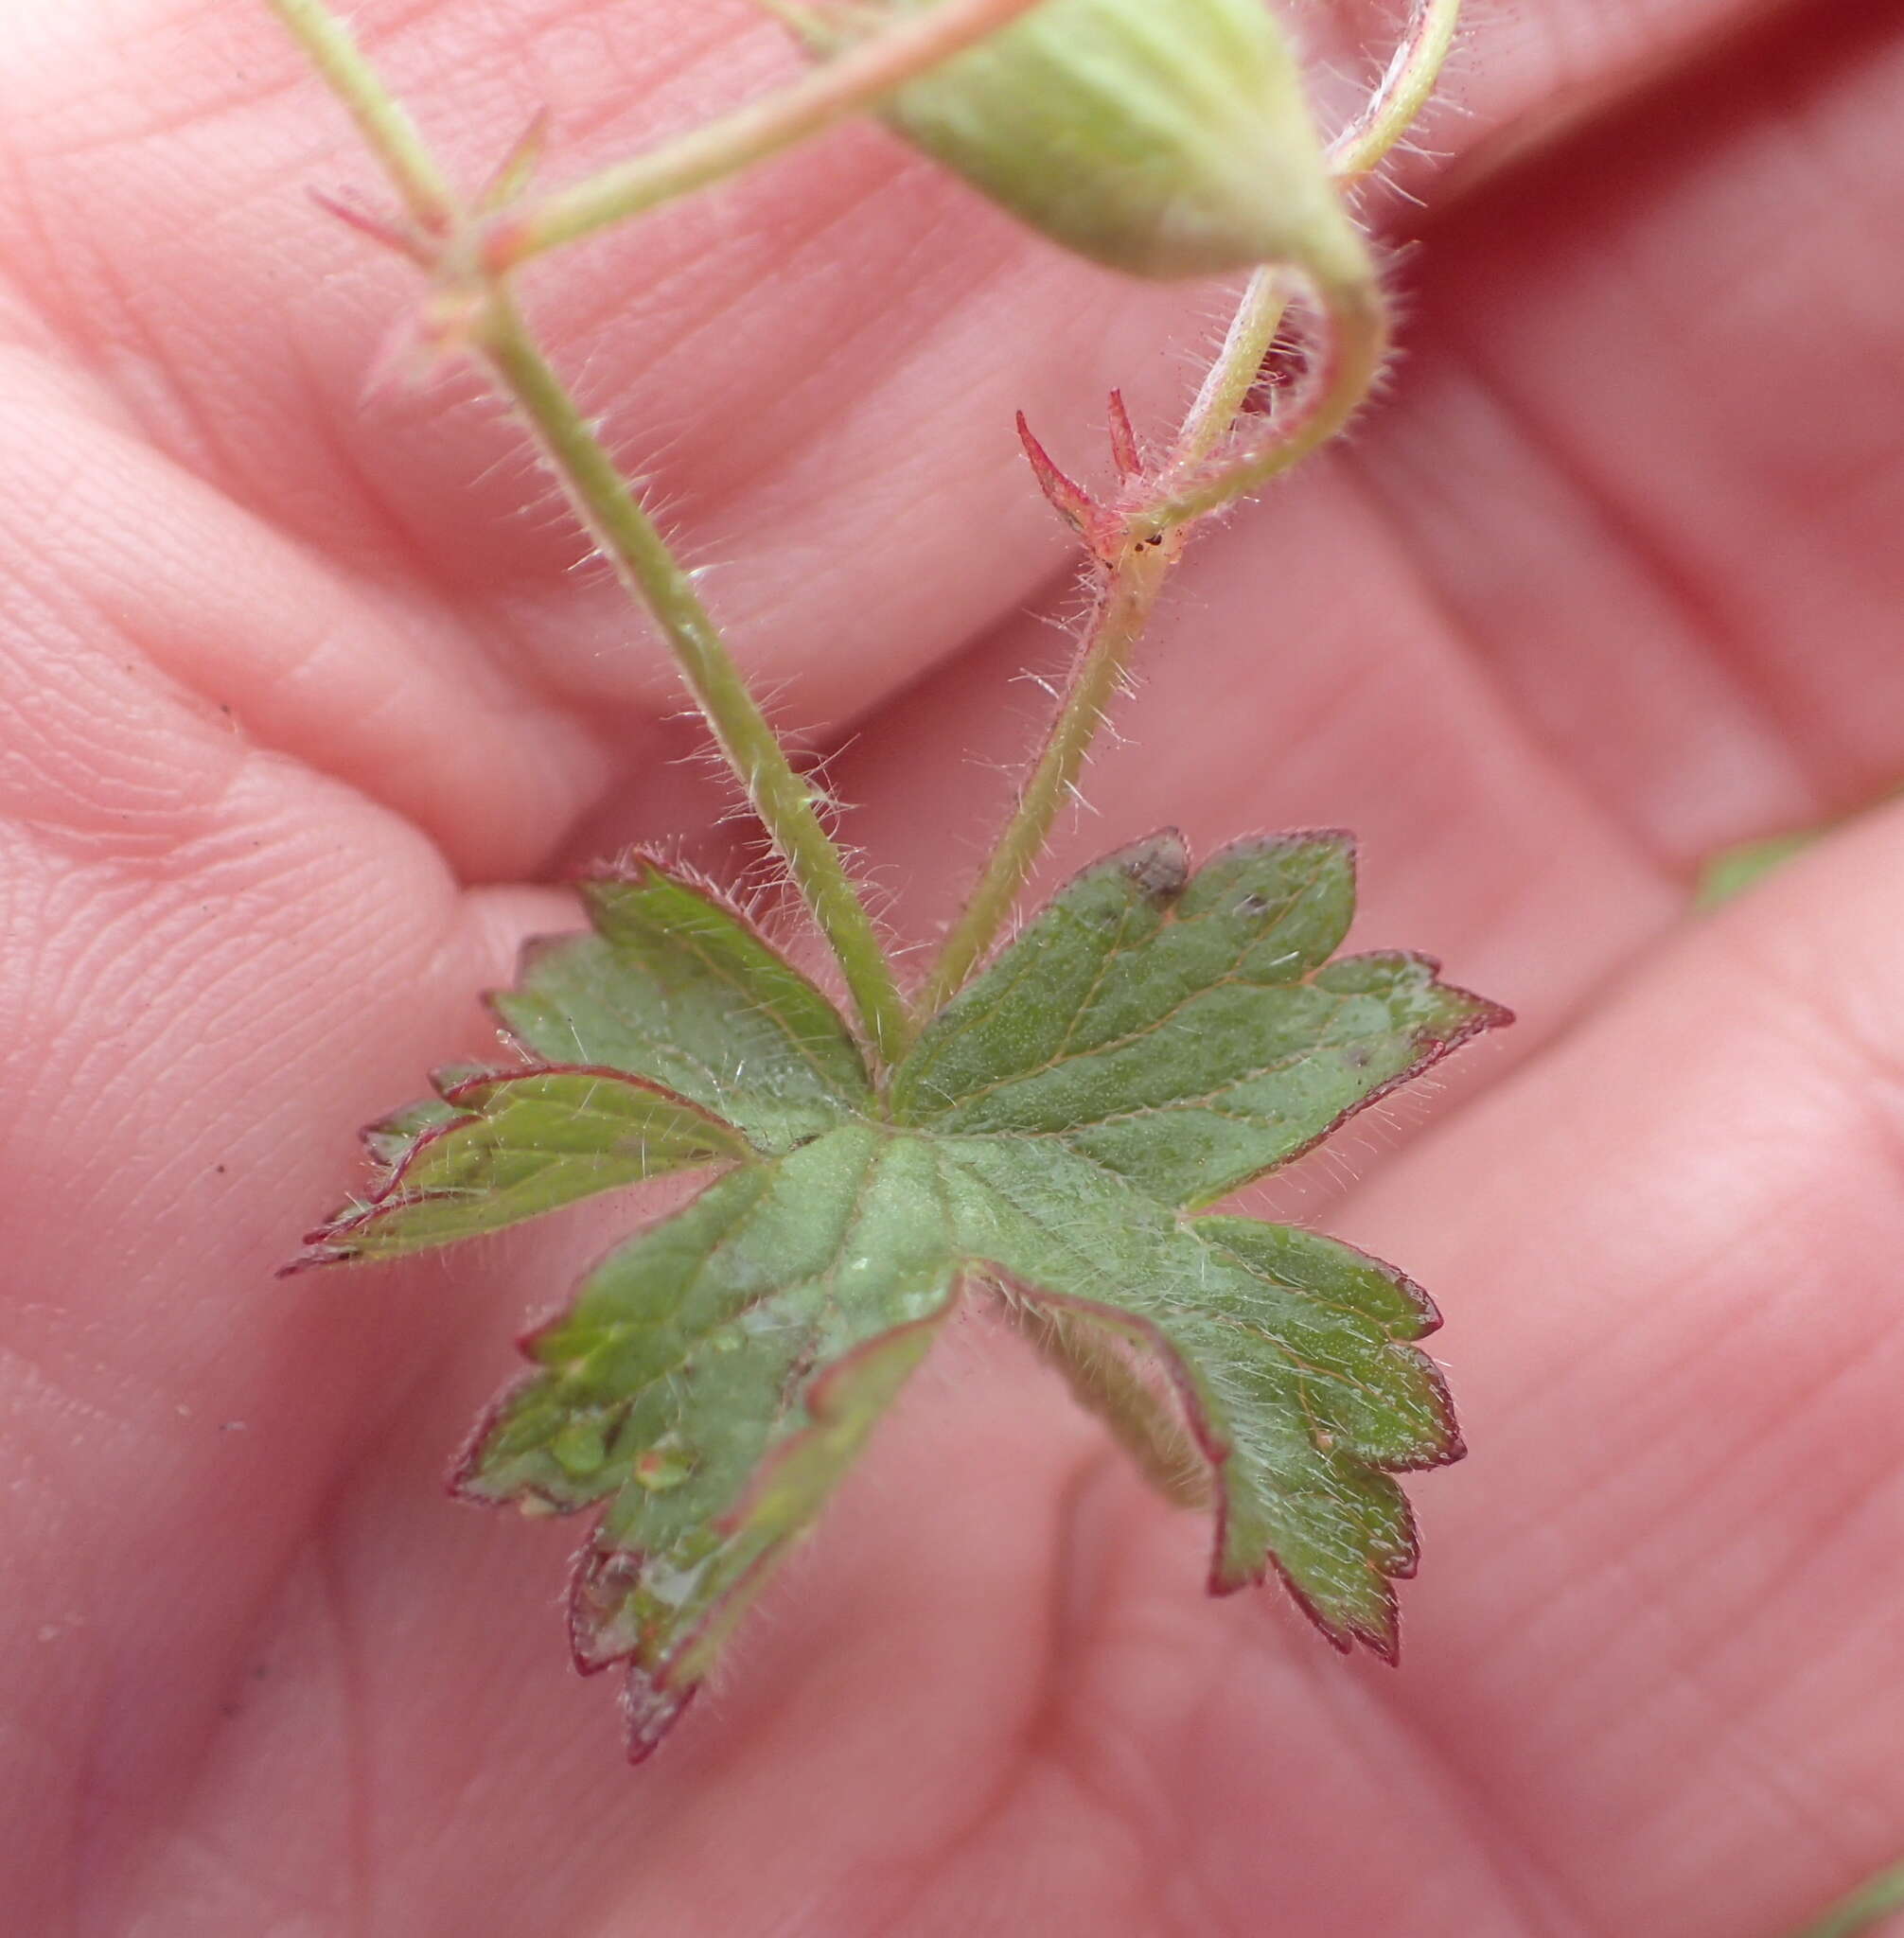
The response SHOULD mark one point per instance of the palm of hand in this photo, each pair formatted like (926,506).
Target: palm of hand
(289,703)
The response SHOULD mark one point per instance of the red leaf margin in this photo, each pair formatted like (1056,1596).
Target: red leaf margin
(652,1703)
(1384,1642)
(323,1243)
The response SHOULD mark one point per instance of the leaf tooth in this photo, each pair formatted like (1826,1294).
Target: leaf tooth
(601,1582)
(449,1078)
(1449,1444)
(1383,1640)
(643,866)
(405,1145)
(649,1711)
(466,1468)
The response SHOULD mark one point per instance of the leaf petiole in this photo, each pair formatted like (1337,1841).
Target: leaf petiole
(1126,599)
(1195,481)
(785,804)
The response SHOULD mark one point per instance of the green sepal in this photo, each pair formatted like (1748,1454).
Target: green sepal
(1161,137)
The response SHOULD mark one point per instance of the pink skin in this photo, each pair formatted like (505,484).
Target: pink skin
(293,698)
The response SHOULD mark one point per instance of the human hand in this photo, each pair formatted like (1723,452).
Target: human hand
(295,699)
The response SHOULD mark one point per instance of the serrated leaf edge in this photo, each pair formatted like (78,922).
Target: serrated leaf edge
(651,1700)
(1343,1636)
(1162,867)
(386,1194)
(1486,1015)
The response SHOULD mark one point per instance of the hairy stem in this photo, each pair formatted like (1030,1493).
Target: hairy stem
(1125,601)
(1197,482)
(1359,149)
(1190,487)
(606,505)
(1403,92)
(1232,375)
(858,79)
(785,802)
(1142,1423)
(1198,479)
(1862,1911)
(384,122)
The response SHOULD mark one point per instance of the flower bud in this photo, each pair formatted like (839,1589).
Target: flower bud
(1162,137)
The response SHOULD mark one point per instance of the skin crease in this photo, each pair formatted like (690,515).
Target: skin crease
(296,706)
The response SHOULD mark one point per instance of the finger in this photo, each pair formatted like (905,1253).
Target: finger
(1652,1636)
(214,963)
(1650,1663)
(1656,1618)
(1645,1662)
(416,1656)
(146,611)
(818,367)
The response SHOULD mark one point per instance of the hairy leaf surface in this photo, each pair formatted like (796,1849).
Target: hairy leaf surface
(1153,1040)
(1293,1355)
(677,986)
(495,1150)
(1181,1031)
(712,1379)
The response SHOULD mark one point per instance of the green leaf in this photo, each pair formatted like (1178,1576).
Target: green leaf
(1153,1039)
(767,1323)
(677,986)
(495,1148)
(1293,1354)
(1181,1031)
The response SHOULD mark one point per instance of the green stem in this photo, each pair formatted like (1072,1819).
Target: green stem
(1104,1381)
(1862,1911)
(1403,92)
(1196,481)
(837,89)
(1125,602)
(1232,375)
(1358,150)
(384,122)
(1192,485)
(608,506)
(783,802)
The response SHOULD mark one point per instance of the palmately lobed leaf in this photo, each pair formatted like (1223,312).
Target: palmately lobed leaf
(1155,1037)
